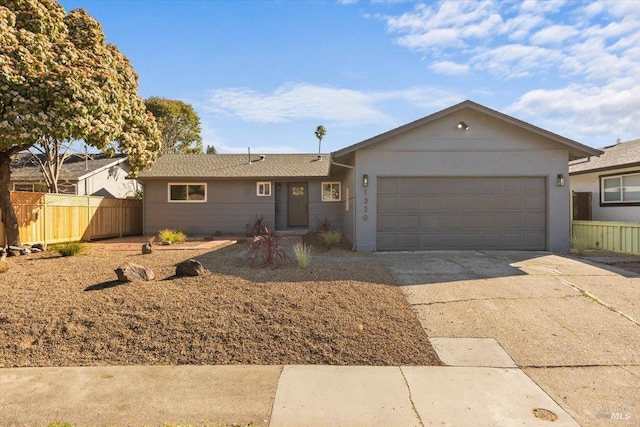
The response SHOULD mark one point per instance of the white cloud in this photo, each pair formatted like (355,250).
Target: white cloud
(515,60)
(449,68)
(292,102)
(541,5)
(344,107)
(553,35)
(586,113)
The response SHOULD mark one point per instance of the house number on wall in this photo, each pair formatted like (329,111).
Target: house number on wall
(365,208)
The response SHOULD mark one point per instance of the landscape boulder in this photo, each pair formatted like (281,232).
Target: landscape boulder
(147,248)
(130,272)
(38,246)
(189,268)
(245,255)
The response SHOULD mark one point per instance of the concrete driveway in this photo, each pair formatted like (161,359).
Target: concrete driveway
(571,325)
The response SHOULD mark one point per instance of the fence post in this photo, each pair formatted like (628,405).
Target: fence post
(45,235)
(89,217)
(121,203)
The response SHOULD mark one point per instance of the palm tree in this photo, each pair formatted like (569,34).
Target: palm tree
(320,133)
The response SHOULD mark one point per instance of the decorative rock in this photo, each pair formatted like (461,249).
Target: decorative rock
(165,243)
(245,255)
(25,251)
(39,246)
(15,248)
(189,268)
(130,272)
(35,249)
(147,248)
(11,252)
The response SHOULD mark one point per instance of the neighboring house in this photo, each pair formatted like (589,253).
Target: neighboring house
(467,177)
(607,188)
(92,175)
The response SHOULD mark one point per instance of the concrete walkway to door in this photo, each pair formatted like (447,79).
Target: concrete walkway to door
(571,325)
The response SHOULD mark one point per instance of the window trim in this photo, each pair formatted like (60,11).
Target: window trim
(266,184)
(206,192)
(331,183)
(601,180)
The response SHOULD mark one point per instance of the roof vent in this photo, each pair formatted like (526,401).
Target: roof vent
(262,157)
(319,157)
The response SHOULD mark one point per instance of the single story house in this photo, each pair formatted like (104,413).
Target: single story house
(467,177)
(607,188)
(82,175)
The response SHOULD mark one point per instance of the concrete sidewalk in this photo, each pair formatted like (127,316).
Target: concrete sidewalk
(276,396)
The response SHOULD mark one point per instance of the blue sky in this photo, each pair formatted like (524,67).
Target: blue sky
(264,74)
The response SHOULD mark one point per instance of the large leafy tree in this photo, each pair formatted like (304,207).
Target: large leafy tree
(179,124)
(60,81)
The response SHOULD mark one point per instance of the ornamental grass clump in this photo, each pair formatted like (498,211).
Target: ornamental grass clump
(268,249)
(302,252)
(69,249)
(332,238)
(579,244)
(171,236)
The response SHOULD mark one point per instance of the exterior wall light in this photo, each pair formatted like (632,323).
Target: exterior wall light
(560,181)
(365,180)
(463,126)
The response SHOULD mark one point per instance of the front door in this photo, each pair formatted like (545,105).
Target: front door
(298,206)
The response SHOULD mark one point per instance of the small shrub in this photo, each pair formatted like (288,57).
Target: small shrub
(268,249)
(302,251)
(579,244)
(322,225)
(69,249)
(4,266)
(217,233)
(257,226)
(331,238)
(172,236)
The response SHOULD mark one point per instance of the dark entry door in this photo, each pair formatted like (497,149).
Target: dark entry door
(298,205)
(582,206)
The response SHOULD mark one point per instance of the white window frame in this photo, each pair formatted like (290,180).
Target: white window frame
(621,187)
(265,186)
(338,183)
(206,192)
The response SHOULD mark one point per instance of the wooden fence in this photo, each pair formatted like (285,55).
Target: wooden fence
(56,218)
(610,236)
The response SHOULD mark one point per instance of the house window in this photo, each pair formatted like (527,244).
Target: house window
(331,192)
(191,192)
(32,187)
(621,189)
(263,188)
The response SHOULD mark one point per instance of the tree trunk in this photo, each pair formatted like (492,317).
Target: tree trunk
(9,218)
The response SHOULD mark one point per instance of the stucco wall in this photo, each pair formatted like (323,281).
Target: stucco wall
(591,183)
(110,182)
(489,148)
(230,205)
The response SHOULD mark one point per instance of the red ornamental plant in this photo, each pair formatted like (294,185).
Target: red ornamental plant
(268,249)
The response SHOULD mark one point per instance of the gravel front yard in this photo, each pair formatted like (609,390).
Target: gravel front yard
(71,312)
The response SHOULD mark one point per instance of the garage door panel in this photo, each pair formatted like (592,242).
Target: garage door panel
(461,213)
(387,203)
(408,203)
(534,202)
(492,185)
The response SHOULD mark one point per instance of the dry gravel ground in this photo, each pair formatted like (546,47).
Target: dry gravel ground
(58,311)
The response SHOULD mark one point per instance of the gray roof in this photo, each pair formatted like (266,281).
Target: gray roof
(623,154)
(576,150)
(238,166)
(24,168)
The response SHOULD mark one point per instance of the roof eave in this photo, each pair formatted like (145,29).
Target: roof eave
(605,168)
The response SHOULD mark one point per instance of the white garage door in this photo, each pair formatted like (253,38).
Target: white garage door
(416,213)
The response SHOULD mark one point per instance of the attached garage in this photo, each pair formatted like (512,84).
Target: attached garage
(467,177)
(420,213)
